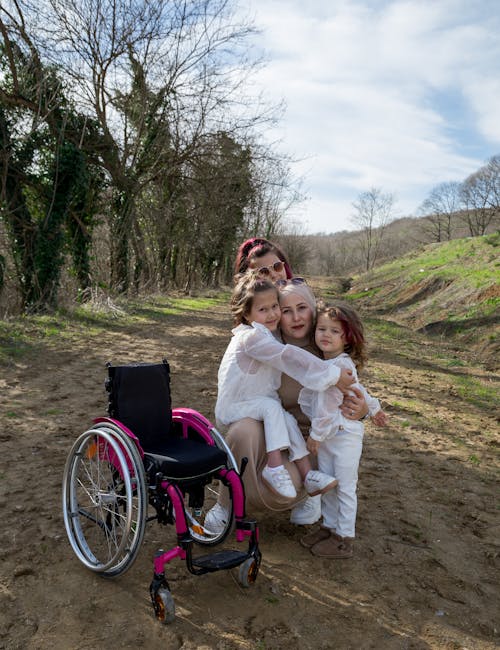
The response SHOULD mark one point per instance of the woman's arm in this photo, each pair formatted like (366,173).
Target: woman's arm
(372,402)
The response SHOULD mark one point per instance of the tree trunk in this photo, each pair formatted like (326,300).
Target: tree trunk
(121,222)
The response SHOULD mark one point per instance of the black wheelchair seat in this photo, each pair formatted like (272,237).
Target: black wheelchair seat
(183,459)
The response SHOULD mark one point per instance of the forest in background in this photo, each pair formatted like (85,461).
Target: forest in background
(133,159)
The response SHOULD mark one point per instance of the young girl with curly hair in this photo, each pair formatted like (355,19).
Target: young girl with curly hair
(335,439)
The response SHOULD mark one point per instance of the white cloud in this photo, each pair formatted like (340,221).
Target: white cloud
(361,80)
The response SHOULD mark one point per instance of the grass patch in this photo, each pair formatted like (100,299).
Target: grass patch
(23,336)
(15,340)
(477,393)
(455,363)
(459,259)
(200,304)
(54,412)
(156,307)
(366,293)
(385,330)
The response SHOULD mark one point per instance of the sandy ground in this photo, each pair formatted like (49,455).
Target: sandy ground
(425,572)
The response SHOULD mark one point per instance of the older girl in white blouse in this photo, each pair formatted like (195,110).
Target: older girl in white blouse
(250,375)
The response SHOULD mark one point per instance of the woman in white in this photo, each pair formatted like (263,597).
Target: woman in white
(250,374)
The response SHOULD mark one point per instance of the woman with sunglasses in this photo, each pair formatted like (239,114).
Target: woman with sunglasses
(263,256)
(246,436)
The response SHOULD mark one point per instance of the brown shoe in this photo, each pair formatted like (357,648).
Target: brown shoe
(316,536)
(337,548)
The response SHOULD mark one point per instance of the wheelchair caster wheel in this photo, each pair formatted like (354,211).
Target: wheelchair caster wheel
(164,605)
(247,572)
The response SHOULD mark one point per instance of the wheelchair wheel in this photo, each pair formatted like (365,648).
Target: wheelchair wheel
(105,500)
(164,605)
(248,571)
(204,529)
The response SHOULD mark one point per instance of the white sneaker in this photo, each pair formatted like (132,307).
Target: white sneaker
(216,519)
(307,511)
(279,480)
(318,483)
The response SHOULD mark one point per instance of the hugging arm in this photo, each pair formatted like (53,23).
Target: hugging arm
(359,403)
(304,367)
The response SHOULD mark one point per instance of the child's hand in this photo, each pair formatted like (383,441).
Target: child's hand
(312,445)
(380,419)
(345,380)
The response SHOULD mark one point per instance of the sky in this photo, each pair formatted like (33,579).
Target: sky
(400,95)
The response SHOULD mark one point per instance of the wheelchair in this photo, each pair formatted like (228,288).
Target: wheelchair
(146,455)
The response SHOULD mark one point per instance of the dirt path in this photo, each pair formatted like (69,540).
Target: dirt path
(426,566)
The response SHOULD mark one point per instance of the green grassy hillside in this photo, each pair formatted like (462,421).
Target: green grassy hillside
(450,289)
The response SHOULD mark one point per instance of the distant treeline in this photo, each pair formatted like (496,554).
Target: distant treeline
(452,210)
(342,254)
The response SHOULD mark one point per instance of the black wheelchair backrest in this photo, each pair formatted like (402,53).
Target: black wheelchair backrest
(139,396)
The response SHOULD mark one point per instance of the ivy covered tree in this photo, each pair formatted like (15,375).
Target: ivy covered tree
(158,77)
(45,176)
(123,111)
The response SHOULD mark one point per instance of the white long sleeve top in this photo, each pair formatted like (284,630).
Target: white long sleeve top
(322,407)
(252,365)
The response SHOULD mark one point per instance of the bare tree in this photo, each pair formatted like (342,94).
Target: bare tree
(276,193)
(480,193)
(373,212)
(439,210)
(493,167)
(296,244)
(327,255)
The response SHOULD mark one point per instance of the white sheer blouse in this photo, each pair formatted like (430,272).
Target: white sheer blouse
(322,407)
(253,362)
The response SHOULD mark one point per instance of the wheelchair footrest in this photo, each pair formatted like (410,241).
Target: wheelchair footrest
(226,559)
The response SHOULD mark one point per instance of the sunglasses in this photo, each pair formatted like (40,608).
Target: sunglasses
(284,283)
(277,267)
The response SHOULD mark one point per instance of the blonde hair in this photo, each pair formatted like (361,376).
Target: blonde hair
(244,293)
(303,290)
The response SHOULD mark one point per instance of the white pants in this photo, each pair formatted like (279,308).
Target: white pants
(339,456)
(280,427)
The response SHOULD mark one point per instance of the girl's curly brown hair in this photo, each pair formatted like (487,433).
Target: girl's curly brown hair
(353,329)
(243,294)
